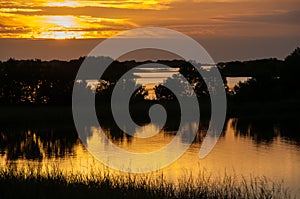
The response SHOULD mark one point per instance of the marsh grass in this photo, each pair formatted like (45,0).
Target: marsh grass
(54,183)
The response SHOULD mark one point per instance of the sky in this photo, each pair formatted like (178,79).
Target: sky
(228,29)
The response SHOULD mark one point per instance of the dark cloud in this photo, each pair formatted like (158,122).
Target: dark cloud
(4,31)
(291,17)
(105,12)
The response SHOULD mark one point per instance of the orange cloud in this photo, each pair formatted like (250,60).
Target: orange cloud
(97,19)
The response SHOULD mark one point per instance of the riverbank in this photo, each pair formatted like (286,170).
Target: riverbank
(283,110)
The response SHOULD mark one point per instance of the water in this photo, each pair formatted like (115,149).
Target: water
(247,147)
(232,81)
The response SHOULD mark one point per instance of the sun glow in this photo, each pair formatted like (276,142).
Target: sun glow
(61,35)
(31,19)
(61,21)
(136,4)
(62,4)
(59,27)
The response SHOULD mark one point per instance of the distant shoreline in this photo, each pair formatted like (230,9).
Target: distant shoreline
(285,109)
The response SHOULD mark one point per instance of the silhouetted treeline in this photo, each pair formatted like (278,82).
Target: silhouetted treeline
(271,80)
(254,68)
(51,82)
(36,81)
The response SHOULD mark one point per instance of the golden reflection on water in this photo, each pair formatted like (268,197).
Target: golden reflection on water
(235,154)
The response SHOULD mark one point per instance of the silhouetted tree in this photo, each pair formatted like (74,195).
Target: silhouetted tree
(290,74)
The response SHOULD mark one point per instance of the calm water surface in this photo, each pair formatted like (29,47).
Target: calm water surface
(246,147)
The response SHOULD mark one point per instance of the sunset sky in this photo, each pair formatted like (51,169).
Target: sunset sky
(228,29)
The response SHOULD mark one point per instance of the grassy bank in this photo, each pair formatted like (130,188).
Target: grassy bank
(34,183)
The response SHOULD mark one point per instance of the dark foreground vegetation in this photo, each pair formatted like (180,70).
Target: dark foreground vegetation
(34,183)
